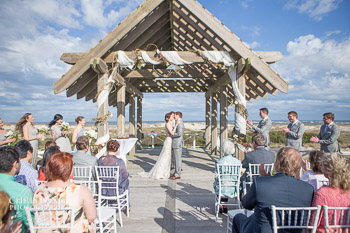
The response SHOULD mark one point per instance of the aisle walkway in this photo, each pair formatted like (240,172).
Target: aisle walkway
(185,205)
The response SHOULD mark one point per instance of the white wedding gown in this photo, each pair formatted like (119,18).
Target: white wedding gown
(161,170)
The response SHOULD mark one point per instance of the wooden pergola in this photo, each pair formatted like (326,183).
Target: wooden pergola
(172,25)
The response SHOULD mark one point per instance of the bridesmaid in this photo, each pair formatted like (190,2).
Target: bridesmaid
(79,129)
(60,137)
(3,140)
(29,132)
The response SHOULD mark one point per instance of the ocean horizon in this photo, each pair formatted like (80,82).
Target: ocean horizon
(277,122)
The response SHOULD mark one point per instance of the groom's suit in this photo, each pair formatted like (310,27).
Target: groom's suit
(295,135)
(264,128)
(329,137)
(177,146)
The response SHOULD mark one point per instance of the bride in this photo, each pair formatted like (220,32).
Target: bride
(161,170)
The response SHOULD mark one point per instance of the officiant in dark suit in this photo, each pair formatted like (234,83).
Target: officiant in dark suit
(294,131)
(281,190)
(329,134)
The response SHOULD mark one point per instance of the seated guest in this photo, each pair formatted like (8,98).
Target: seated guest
(337,169)
(21,195)
(111,160)
(48,144)
(281,190)
(258,156)
(228,149)
(315,173)
(6,209)
(25,151)
(47,155)
(82,157)
(58,191)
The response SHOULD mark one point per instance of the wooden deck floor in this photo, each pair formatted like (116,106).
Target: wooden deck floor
(184,205)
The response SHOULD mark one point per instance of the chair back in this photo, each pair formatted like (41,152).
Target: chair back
(82,173)
(50,218)
(254,170)
(295,218)
(228,176)
(336,217)
(109,177)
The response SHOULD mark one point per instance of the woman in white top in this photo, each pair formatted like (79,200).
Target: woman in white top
(313,174)
(29,132)
(161,170)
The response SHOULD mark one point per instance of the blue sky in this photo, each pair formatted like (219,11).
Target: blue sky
(312,35)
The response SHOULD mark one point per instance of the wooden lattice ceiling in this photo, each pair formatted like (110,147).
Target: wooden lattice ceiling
(180,25)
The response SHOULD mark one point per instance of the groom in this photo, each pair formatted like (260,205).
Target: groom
(177,146)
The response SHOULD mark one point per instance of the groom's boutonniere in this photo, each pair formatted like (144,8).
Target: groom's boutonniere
(330,127)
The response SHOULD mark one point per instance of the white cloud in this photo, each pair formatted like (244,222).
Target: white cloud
(246,3)
(316,9)
(253,45)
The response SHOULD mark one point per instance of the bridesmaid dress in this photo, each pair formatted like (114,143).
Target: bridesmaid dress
(61,141)
(32,133)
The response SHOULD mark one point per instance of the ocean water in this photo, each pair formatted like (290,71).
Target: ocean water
(277,122)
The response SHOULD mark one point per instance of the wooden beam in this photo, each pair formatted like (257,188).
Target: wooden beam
(121,111)
(214,122)
(270,57)
(223,116)
(102,127)
(129,87)
(132,128)
(106,44)
(84,80)
(224,80)
(139,122)
(235,43)
(207,123)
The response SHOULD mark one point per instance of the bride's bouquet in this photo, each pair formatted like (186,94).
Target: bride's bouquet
(64,127)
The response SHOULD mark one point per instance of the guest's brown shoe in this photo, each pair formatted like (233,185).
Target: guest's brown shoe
(177,177)
(172,177)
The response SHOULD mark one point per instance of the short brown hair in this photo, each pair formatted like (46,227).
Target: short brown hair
(79,118)
(293,113)
(289,160)
(113,146)
(167,117)
(265,110)
(259,139)
(82,142)
(329,115)
(59,167)
(179,114)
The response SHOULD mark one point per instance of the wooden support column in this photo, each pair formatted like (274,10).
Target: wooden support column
(214,129)
(121,111)
(241,88)
(102,128)
(139,122)
(223,116)
(207,123)
(132,128)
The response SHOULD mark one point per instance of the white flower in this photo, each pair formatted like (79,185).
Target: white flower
(43,129)
(91,134)
(65,126)
(9,134)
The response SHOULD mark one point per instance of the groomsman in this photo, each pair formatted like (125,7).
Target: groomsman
(329,134)
(263,127)
(294,131)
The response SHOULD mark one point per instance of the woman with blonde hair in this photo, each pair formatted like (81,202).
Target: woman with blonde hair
(79,129)
(29,132)
(337,169)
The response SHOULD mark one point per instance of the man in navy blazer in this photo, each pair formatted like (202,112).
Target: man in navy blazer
(258,155)
(281,190)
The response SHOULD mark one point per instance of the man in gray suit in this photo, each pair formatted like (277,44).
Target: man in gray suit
(294,131)
(264,126)
(82,157)
(329,134)
(258,156)
(177,145)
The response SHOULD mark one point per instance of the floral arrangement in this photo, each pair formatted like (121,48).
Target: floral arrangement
(43,130)
(65,126)
(91,134)
(10,135)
